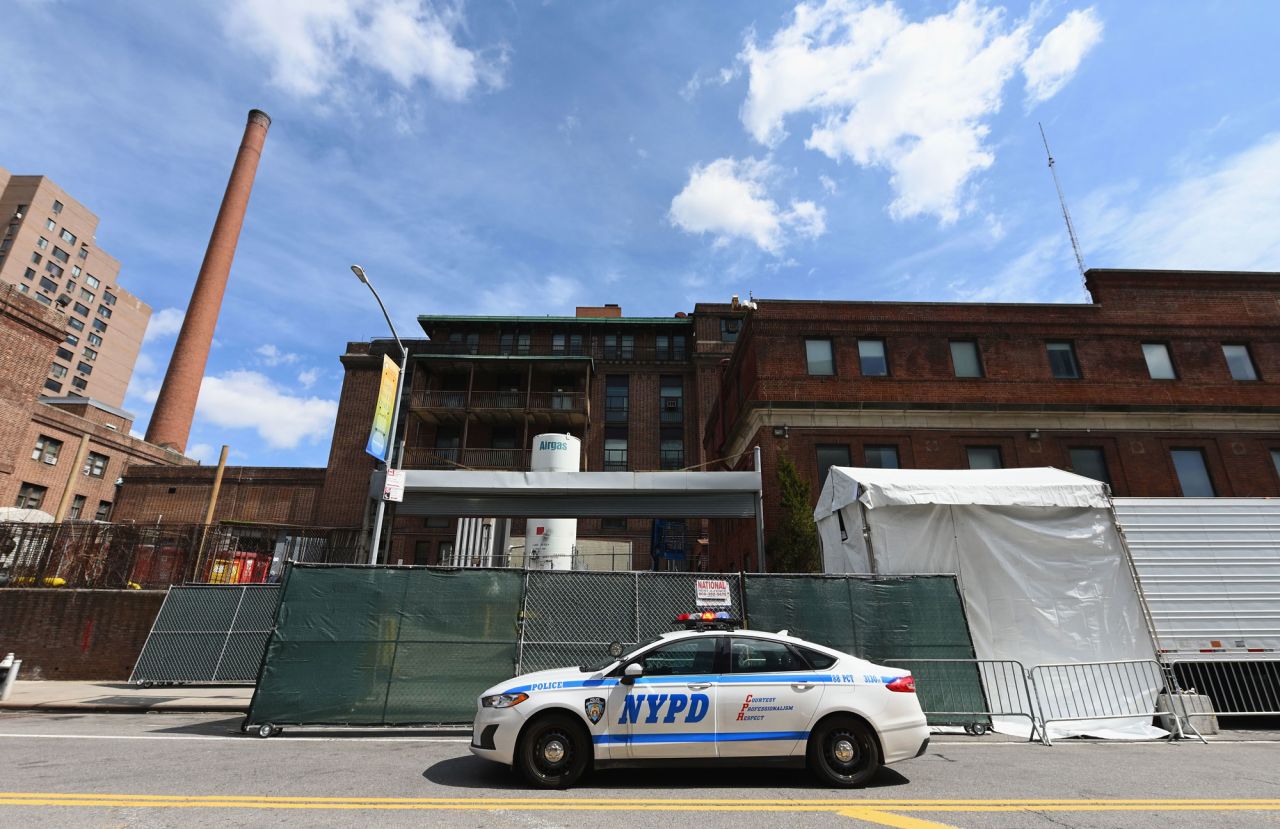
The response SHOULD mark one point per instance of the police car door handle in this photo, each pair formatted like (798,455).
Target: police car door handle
(699,686)
(801,686)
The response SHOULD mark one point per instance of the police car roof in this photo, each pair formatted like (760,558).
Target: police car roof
(761,634)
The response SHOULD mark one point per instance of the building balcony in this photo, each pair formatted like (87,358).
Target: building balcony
(609,353)
(423,457)
(551,408)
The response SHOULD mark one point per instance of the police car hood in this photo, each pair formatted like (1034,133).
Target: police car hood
(545,681)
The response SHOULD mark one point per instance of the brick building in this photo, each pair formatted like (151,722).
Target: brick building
(633,389)
(249,494)
(48,252)
(1166,384)
(77,446)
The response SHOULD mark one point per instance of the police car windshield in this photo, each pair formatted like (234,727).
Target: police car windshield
(600,666)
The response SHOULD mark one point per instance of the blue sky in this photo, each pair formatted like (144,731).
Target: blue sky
(526,157)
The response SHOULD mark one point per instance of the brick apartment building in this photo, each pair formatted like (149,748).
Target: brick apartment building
(60,455)
(48,252)
(1167,384)
(634,390)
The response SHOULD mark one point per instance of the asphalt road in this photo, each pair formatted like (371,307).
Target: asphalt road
(95,770)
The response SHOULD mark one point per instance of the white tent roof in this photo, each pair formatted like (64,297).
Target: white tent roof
(1023,487)
(29,516)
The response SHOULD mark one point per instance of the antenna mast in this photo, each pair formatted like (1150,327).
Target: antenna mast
(1062,200)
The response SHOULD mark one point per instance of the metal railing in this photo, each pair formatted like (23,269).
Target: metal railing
(615,353)
(969,692)
(1095,691)
(1242,688)
(429,458)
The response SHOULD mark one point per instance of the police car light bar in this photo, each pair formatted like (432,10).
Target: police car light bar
(708,620)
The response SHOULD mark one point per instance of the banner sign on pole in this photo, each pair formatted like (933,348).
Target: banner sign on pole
(712,593)
(393,486)
(380,433)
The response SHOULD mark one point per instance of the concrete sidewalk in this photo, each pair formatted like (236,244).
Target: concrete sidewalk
(121,696)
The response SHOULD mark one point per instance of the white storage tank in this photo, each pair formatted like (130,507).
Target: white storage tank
(549,542)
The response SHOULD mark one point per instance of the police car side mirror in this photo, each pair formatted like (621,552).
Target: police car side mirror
(630,673)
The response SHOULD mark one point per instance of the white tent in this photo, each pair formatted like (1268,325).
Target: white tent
(1036,554)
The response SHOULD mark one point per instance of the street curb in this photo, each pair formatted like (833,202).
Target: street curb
(124,709)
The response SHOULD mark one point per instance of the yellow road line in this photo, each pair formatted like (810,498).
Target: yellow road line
(893,819)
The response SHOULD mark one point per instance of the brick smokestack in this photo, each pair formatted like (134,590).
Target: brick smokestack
(170,424)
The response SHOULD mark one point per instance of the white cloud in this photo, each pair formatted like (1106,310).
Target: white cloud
(308,377)
(829,185)
(729,199)
(164,322)
(1221,218)
(270,355)
(720,77)
(553,294)
(909,97)
(1058,56)
(249,400)
(312,45)
(206,453)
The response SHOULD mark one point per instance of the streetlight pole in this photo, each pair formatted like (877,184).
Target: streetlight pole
(396,460)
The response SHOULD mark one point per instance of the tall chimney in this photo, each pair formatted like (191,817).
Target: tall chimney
(170,424)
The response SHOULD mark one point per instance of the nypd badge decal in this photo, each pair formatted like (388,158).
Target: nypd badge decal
(595,709)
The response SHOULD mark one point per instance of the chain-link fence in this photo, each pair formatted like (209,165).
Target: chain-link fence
(86,554)
(571,618)
(208,633)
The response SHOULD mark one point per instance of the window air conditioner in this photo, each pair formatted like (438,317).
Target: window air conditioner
(671,404)
(51,459)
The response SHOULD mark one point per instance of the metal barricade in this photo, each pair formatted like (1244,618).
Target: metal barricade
(1118,690)
(969,692)
(1237,688)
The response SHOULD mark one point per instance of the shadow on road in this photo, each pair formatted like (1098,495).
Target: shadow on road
(476,773)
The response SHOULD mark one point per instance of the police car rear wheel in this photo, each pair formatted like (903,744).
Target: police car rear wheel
(553,752)
(843,752)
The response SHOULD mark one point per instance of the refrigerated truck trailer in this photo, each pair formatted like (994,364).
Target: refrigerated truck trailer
(1209,569)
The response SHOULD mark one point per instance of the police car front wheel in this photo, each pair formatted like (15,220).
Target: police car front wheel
(554,752)
(843,752)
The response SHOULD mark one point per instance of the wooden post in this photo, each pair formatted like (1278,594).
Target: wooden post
(217,486)
(69,490)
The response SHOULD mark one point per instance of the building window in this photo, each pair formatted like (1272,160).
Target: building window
(1193,473)
(46,450)
(729,328)
(1091,462)
(615,449)
(42,243)
(29,273)
(670,347)
(23,289)
(90,354)
(51,224)
(36,259)
(1159,363)
(506,342)
(817,354)
(42,299)
(104,511)
(871,358)
(30,496)
(881,457)
(105,312)
(87,295)
(84,368)
(617,398)
(672,449)
(75,271)
(1275,460)
(67,236)
(829,455)
(619,347)
(79,383)
(1062,360)
(84,252)
(92,281)
(95,466)
(47,284)
(53,268)
(60,254)
(75,323)
(77,507)
(57,207)
(671,399)
(53,386)
(984,457)
(72,339)
(1240,362)
(99,325)
(470,343)
(64,354)
(964,358)
(95,340)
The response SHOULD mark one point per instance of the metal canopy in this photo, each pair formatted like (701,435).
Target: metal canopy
(578,494)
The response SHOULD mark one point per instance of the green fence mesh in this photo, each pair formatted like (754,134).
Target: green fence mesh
(387,646)
(880,619)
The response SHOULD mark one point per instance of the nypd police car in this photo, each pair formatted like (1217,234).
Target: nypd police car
(712,693)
